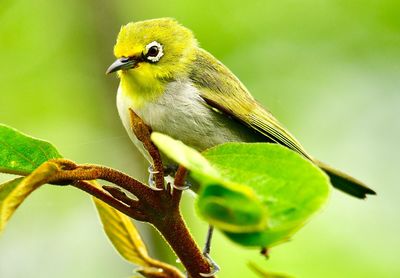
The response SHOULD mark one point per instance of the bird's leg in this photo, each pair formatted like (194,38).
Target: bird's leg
(170,170)
(207,246)
(151,181)
(206,253)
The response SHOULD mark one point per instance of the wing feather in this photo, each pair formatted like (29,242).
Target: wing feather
(221,89)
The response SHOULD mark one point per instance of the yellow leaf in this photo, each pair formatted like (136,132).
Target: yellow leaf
(264,274)
(123,234)
(14,192)
(127,241)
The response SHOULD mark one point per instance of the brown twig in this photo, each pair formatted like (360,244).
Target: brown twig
(143,132)
(131,211)
(175,232)
(179,181)
(159,208)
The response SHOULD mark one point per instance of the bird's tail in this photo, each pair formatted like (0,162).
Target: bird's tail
(346,183)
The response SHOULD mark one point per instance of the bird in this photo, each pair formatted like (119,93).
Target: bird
(179,89)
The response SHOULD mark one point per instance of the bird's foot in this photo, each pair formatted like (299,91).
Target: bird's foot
(185,186)
(151,181)
(170,170)
(214,268)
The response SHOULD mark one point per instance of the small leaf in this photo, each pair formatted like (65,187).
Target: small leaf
(183,154)
(154,272)
(122,234)
(21,154)
(264,274)
(14,192)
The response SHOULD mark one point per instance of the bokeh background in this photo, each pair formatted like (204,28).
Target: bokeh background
(329,70)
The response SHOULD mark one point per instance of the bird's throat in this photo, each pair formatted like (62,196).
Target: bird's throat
(140,88)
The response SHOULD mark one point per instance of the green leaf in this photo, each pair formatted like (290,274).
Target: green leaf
(237,179)
(231,209)
(184,155)
(291,187)
(21,154)
(122,234)
(223,203)
(14,192)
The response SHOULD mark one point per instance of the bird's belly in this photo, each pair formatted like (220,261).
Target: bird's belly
(182,114)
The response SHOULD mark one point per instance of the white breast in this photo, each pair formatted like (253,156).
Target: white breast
(182,114)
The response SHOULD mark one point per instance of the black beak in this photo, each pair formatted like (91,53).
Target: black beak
(123,64)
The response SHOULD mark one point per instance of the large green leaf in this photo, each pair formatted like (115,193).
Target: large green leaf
(289,188)
(14,192)
(21,154)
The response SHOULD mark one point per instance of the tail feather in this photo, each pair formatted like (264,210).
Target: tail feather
(345,182)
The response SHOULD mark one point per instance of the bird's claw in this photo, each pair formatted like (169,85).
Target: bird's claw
(214,268)
(186,186)
(151,178)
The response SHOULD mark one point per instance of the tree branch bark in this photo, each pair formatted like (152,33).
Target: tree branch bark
(159,208)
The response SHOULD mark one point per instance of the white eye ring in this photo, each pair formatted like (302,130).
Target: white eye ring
(160,51)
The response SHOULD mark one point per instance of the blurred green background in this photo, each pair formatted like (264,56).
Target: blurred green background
(329,70)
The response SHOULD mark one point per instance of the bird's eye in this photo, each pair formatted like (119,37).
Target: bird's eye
(154,52)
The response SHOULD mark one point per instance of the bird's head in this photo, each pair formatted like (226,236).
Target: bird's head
(154,50)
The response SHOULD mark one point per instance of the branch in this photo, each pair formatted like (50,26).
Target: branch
(143,132)
(159,208)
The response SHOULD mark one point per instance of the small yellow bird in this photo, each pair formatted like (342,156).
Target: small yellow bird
(181,90)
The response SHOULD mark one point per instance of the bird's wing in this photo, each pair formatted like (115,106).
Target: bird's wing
(222,90)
